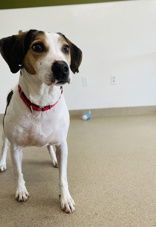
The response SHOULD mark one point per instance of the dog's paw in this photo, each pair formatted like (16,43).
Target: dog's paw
(2,167)
(55,163)
(21,195)
(67,204)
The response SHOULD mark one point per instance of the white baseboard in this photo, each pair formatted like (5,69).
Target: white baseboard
(112,112)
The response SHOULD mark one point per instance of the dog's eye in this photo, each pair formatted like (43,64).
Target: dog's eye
(38,47)
(66,49)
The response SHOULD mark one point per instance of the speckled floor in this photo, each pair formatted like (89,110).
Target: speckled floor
(111,173)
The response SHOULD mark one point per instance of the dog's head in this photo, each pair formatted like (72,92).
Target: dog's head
(49,56)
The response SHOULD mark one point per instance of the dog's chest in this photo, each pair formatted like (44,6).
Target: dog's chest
(39,129)
(39,132)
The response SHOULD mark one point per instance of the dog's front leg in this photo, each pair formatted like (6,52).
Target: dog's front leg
(67,203)
(52,155)
(4,154)
(21,191)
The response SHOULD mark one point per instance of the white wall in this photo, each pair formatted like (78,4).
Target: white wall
(117,39)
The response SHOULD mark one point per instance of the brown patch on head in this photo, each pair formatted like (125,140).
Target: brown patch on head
(65,48)
(37,49)
(14,48)
(75,54)
(20,31)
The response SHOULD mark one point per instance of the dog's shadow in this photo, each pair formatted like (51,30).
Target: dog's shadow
(38,170)
(42,203)
(39,163)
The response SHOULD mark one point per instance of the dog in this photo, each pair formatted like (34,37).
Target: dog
(36,113)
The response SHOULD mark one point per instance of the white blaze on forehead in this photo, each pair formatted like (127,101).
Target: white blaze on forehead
(52,37)
(55,45)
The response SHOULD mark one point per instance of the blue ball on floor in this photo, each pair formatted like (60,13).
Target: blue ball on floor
(86,116)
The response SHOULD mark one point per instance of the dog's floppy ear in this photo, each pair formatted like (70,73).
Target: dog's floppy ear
(14,48)
(11,51)
(76,55)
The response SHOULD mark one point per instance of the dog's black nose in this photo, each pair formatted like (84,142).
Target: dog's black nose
(60,71)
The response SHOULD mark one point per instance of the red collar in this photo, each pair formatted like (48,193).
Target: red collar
(33,106)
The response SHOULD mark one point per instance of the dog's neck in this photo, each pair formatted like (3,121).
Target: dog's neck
(36,91)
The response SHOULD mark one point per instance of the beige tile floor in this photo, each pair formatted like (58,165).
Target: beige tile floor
(112,177)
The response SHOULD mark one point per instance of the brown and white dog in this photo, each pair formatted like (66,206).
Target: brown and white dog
(36,113)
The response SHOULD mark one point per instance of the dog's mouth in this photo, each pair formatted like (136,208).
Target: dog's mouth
(58,82)
(62,82)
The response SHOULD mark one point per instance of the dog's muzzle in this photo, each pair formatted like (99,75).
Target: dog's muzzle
(60,72)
